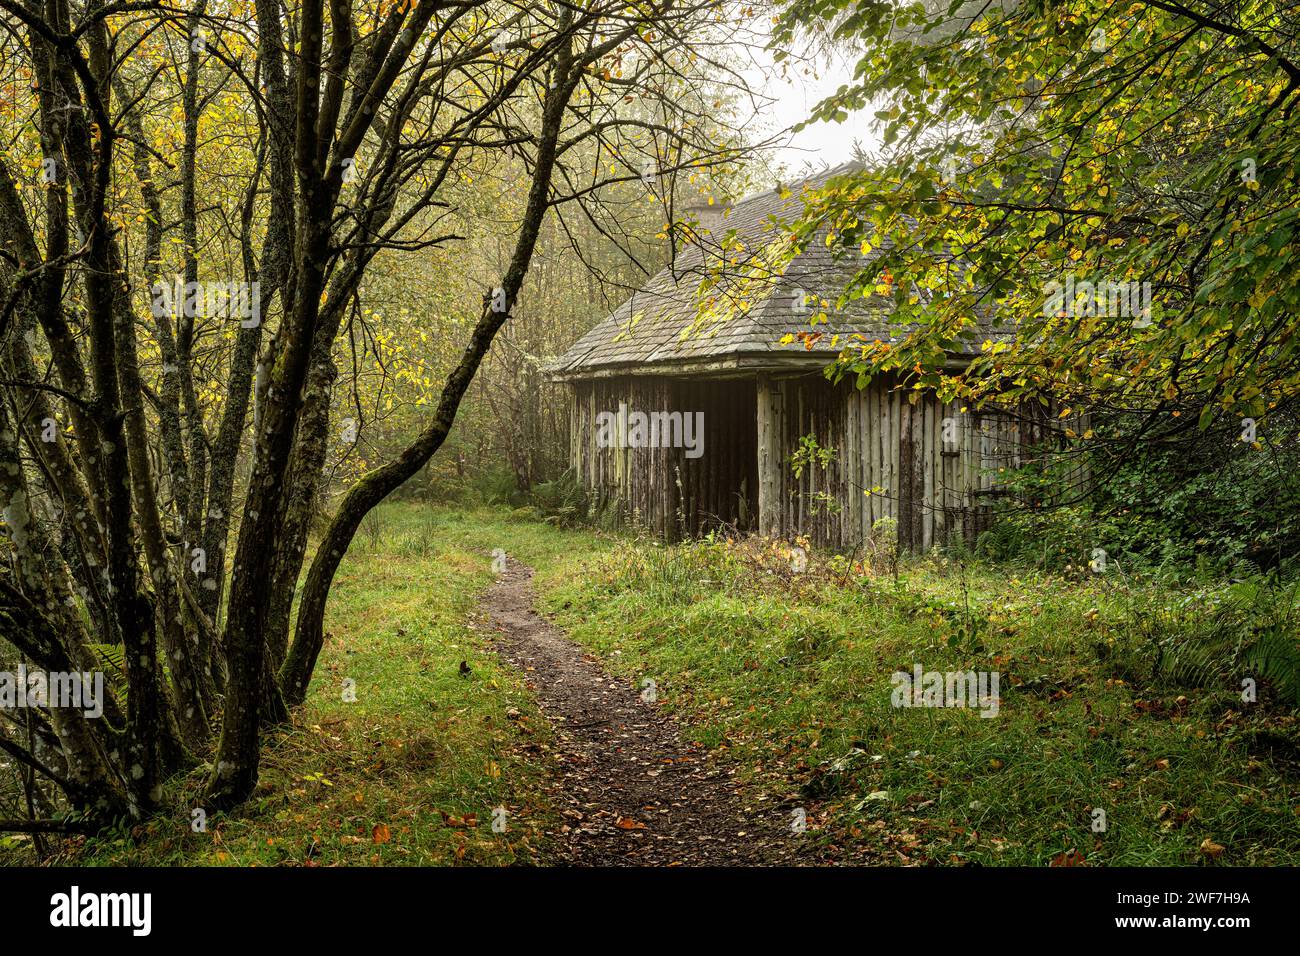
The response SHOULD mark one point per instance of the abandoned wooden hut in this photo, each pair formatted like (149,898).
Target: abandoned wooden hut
(688,411)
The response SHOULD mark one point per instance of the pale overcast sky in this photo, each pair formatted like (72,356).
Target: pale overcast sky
(794,97)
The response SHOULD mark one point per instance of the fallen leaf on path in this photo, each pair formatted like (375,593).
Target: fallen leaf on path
(1211,849)
(468,820)
(1070,857)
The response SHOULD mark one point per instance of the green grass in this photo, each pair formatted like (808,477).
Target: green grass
(789,674)
(420,740)
(786,675)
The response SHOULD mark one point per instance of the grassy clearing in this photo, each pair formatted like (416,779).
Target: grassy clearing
(409,773)
(790,675)
(786,674)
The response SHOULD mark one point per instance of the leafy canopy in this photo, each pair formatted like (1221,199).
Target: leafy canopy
(1136,142)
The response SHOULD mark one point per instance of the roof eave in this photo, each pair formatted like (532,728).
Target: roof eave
(731,365)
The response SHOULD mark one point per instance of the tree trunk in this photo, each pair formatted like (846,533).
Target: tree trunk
(296,673)
(304,488)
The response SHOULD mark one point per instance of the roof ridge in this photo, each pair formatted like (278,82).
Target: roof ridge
(660,325)
(841,169)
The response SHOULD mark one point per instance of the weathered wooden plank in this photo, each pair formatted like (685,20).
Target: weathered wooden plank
(869,442)
(953,475)
(908,430)
(767,456)
(890,438)
(888,448)
(973,476)
(867,425)
(916,493)
(927,473)
(945,426)
(889,432)
(675,456)
(905,460)
(881,426)
(851,469)
(942,420)
(798,420)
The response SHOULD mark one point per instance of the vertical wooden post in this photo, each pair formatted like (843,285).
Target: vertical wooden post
(769,456)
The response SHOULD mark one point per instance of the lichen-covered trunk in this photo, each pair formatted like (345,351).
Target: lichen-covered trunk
(36,616)
(272,273)
(236,767)
(305,476)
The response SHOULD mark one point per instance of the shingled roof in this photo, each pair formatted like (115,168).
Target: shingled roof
(693,316)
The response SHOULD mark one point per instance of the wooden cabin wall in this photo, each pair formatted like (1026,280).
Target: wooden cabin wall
(660,488)
(890,460)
